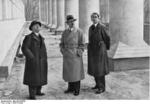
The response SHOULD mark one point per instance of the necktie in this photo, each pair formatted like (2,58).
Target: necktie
(94,27)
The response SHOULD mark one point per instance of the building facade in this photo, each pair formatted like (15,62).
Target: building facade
(125,18)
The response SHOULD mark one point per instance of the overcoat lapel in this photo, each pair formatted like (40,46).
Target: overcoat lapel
(35,37)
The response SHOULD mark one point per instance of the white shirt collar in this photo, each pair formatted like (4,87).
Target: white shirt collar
(37,34)
(95,24)
(71,29)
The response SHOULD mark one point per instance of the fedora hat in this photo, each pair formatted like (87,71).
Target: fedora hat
(70,18)
(34,23)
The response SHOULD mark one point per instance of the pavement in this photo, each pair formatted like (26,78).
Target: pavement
(120,85)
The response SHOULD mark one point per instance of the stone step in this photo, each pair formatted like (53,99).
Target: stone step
(125,64)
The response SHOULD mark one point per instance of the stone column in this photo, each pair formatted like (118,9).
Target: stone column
(60,15)
(126,29)
(46,11)
(72,8)
(86,8)
(40,17)
(12,6)
(42,11)
(1,10)
(54,14)
(50,12)
(104,10)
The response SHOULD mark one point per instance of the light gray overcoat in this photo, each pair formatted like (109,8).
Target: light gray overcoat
(72,47)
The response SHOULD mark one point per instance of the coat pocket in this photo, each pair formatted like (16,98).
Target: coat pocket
(31,64)
(70,52)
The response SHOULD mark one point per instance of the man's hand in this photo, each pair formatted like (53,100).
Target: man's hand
(79,52)
(61,50)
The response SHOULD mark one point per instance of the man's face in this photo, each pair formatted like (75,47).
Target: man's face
(36,28)
(70,24)
(94,18)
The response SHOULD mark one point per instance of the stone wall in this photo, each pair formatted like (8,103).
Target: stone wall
(11,22)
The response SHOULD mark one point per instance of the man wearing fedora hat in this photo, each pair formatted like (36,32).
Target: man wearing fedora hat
(34,49)
(72,47)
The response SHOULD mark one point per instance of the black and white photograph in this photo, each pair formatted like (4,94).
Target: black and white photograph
(74,50)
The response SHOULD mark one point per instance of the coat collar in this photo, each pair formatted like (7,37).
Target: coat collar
(36,37)
(99,25)
(72,29)
(93,26)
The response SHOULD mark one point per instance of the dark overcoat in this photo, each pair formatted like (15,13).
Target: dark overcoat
(99,43)
(34,50)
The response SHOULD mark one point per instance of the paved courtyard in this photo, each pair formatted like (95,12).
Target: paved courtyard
(133,84)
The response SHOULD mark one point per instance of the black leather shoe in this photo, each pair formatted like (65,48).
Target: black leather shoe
(40,94)
(99,91)
(93,88)
(76,93)
(68,91)
(32,98)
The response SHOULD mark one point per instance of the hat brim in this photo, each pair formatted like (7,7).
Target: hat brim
(71,20)
(32,24)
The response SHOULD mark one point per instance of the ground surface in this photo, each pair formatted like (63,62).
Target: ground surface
(132,84)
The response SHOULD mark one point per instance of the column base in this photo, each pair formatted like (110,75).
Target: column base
(59,30)
(53,28)
(49,25)
(44,24)
(124,57)
(121,50)
(126,64)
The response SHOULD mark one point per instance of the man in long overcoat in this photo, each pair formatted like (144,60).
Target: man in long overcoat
(72,46)
(34,49)
(99,43)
